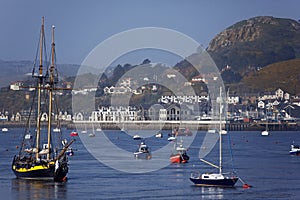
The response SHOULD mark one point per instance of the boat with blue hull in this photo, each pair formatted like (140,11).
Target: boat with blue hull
(295,150)
(219,179)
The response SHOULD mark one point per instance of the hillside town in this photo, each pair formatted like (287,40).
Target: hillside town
(277,107)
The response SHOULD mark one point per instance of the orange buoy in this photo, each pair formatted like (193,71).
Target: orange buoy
(246,186)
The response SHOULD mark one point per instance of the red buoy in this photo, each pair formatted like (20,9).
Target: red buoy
(246,186)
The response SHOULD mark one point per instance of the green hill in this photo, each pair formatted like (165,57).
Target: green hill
(284,75)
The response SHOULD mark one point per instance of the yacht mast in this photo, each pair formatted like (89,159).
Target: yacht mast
(51,86)
(220,133)
(40,82)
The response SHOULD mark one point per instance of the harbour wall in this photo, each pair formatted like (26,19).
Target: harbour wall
(193,125)
(167,125)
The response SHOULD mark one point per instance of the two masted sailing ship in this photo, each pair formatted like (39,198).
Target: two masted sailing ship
(43,153)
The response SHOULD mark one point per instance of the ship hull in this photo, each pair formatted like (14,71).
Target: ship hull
(42,174)
(178,158)
(144,156)
(226,182)
(45,171)
(295,153)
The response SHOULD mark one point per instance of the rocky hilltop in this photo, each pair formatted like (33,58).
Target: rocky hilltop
(256,42)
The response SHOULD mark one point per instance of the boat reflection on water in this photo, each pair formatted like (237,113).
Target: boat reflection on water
(212,192)
(37,189)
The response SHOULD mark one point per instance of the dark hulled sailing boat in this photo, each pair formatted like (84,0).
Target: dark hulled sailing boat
(215,179)
(42,154)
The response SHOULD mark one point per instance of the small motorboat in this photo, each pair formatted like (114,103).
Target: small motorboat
(56,130)
(143,152)
(265,133)
(171,138)
(92,135)
(137,137)
(179,155)
(182,132)
(212,131)
(159,135)
(73,133)
(4,129)
(224,132)
(28,136)
(295,150)
(70,151)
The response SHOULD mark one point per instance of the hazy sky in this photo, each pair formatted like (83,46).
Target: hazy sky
(81,25)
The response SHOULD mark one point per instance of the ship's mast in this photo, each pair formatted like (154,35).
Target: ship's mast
(40,82)
(220,133)
(51,87)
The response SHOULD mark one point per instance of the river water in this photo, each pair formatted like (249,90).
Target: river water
(263,162)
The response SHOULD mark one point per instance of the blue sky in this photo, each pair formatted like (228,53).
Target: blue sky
(81,25)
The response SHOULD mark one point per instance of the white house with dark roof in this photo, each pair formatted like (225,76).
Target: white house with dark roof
(261,104)
(279,93)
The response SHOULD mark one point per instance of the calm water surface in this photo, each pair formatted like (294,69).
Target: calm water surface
(263,162)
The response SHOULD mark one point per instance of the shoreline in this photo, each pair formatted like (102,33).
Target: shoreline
(168,125)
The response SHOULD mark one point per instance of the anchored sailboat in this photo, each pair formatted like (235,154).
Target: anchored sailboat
(215,179)
(40,156)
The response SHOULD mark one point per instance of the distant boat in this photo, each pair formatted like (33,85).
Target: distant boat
(212,131)
(159,135)
(179,154)
(215,179)
(224,132)
(182,132)
(43,158)
(123,128)
(172,135)
(56,130)
(295,150)
(93,133)
(73,134)
(187,132)
(28,136)
(98,129)
(265,133)
(84,131)
(70,151)
(4,129)
(171,138)
(143,152)
(137,137)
